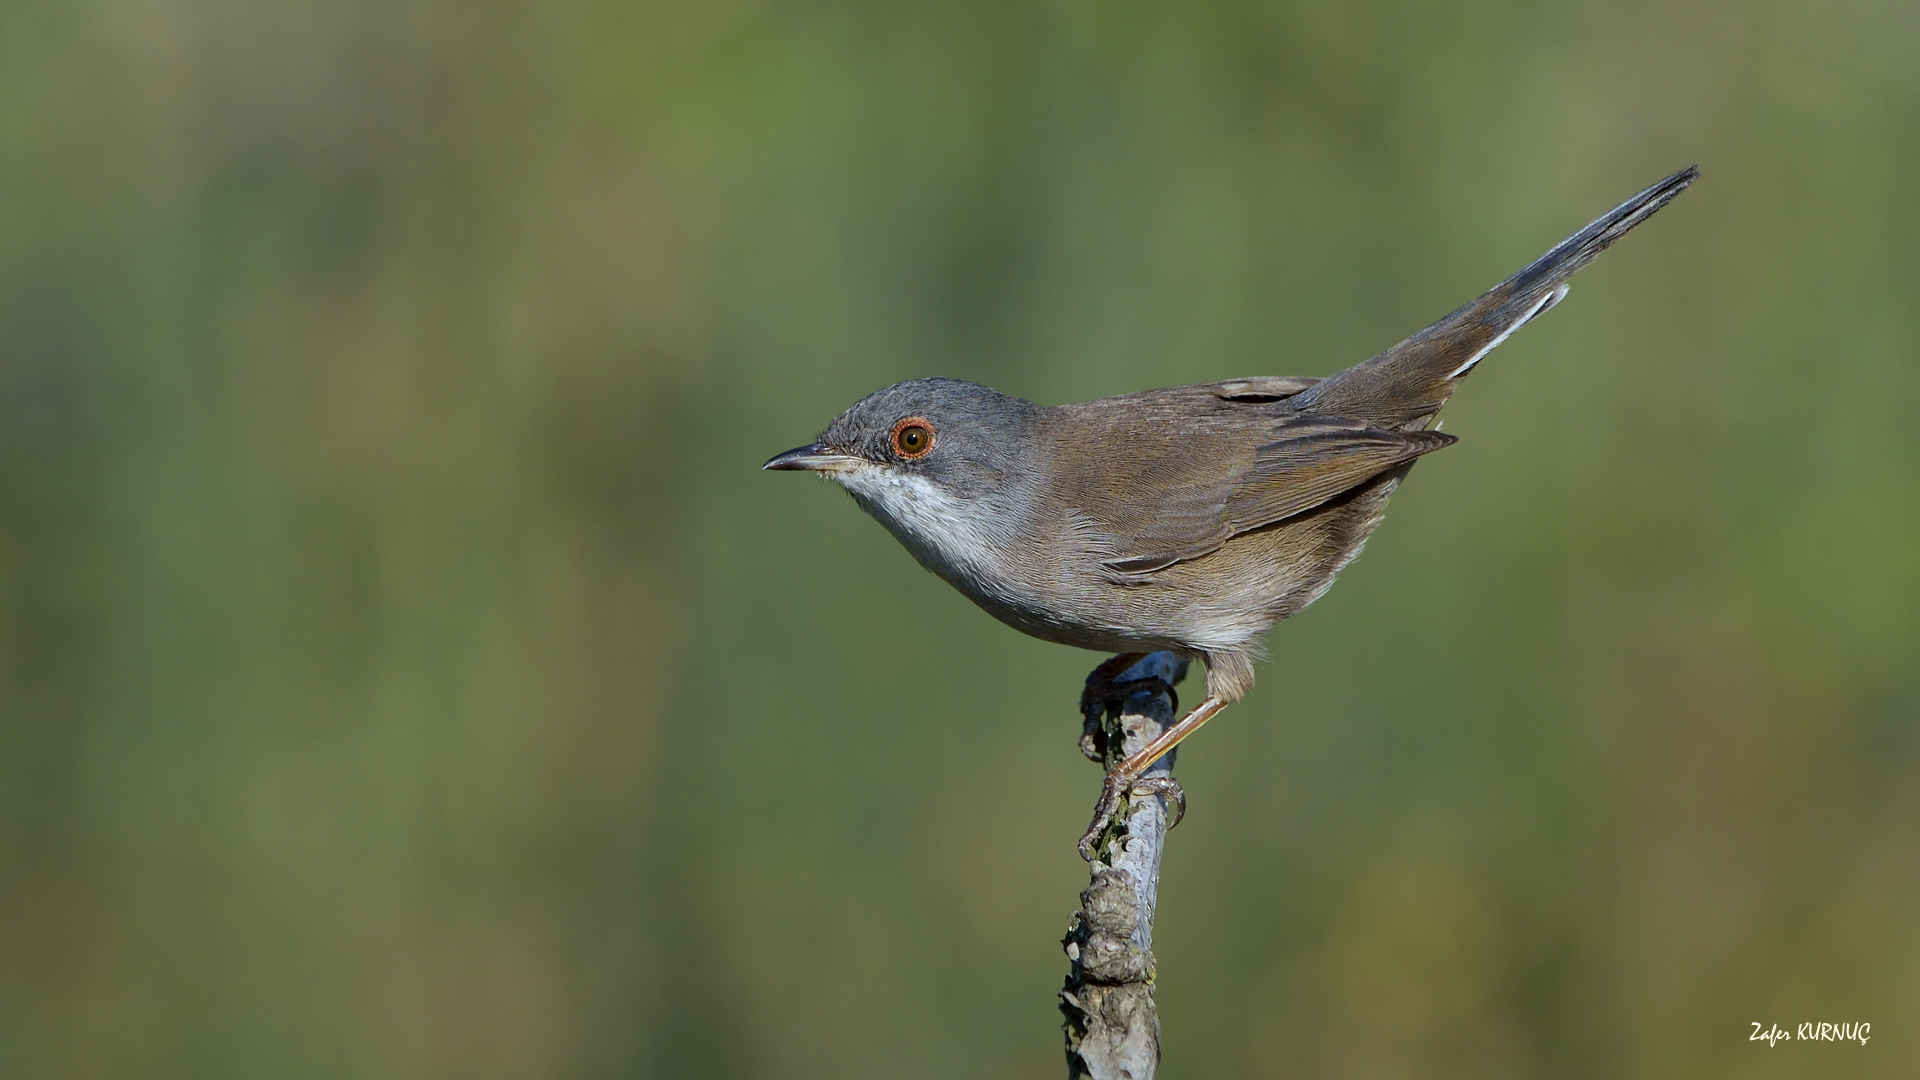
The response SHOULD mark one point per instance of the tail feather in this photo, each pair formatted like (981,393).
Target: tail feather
(1408,383)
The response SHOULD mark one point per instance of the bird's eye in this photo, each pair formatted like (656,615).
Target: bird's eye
(912,437)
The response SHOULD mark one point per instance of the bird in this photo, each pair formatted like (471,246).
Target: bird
(1190,519)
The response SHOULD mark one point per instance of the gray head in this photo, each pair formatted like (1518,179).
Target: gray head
(945,465)
(959,437)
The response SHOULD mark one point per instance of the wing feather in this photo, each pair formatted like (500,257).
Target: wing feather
(1304,461)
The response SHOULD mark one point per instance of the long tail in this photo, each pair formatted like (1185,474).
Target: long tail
(1409,382)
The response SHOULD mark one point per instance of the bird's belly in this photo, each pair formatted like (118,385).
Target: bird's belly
(1223,601)
(1226,600)
(1083,621)
(1087,611)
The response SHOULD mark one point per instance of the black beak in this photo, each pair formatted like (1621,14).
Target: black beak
(812,457)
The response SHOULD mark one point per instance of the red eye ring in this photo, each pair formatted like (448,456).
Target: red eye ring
(913,438)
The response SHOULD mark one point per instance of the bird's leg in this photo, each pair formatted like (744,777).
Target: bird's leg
(1124,778)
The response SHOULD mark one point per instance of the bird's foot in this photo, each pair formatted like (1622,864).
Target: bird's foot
(1168,789)
(1119,782)
(1094,700)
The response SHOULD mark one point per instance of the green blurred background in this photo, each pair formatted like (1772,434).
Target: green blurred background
(409,673)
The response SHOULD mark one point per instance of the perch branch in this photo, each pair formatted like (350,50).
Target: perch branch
(1112,1026)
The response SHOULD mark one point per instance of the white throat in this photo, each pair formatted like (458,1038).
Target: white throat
(946,535)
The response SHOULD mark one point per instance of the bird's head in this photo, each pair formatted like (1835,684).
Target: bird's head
(932,459)
(958,436)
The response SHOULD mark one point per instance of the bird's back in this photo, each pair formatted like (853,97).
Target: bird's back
(1159,562)
(1214,510)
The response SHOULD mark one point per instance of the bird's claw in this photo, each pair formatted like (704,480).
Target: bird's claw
(1167,788)
(1103,810)
(1117,782)
(1100,692)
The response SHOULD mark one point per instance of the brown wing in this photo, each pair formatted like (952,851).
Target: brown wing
(1315,458)
(1304,461)
(1187,445)
(1258,389)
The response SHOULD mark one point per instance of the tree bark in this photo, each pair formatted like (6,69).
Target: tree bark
(1112,1026)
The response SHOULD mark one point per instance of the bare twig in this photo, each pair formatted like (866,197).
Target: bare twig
(1112,1027)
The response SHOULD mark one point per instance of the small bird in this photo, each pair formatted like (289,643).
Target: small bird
(1191,519)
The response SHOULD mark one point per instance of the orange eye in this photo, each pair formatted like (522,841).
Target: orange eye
(912,437)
